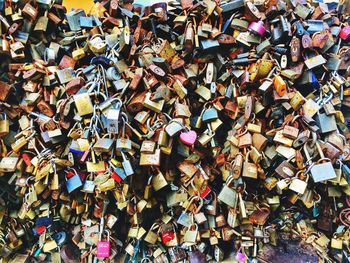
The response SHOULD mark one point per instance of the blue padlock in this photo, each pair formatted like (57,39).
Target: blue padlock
(86,22)
(73,183)
(209,115)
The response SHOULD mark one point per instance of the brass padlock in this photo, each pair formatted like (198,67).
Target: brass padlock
(83,104)
(4,125)
(250,170)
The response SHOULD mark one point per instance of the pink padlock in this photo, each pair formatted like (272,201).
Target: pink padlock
(104,247)
(188,137)
(257,28)
(344,32)
(241,257)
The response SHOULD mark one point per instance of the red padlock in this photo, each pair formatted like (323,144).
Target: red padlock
(168,236)
(344,32)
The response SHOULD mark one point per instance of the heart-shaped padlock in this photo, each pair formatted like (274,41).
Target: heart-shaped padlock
(188,137)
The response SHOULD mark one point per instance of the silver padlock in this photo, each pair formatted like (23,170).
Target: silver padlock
(127,165)
(173,128)
(323,170)
(113,116)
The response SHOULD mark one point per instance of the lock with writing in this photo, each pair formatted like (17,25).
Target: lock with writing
(89,185)
(199,216)
(158,180)
(104,247)
(249,169)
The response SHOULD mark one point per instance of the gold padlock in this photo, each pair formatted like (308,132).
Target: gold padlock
(83,104)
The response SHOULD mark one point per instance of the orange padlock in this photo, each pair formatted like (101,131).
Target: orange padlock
(280,85)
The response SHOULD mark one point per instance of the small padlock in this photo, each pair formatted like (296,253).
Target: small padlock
(249,169)
(210,115)
(297,184)
(89,185)
(173,128)
(104,247)
(74,182)
(4,125)
(228,195)
(127,166)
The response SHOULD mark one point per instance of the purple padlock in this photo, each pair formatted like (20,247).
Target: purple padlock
(104,247)
(257,28)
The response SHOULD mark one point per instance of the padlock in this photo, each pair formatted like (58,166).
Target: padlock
(4,125)
(299,185)
(30,10)
(228,195)
(286,169)
(159,181)
(210,115)
(83,104)
(249,169)
(127,166)
(104,247)
(279,85)
(42,23)
(74,182)
(323,170)
(173,128)
(257,28)
(8,164)
(326,123)
(151,236)
(89,185)
(191,234)
(259,216)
